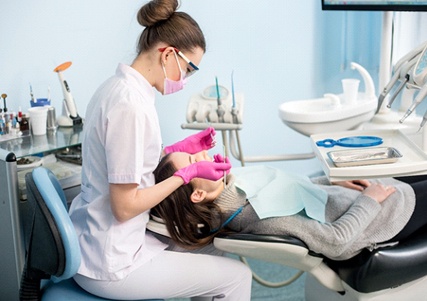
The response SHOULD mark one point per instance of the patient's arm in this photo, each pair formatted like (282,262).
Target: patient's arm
(359,185)
(334,240)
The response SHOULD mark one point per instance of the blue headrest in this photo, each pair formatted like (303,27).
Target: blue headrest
(51,191)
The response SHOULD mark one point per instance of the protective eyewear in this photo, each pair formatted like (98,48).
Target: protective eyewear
(191,69)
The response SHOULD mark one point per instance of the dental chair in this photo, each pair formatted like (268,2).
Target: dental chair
(52,247)
(389,272)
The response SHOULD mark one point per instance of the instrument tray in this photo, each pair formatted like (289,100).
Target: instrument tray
(364,156)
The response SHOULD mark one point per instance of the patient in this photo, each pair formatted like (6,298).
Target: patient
(337,219)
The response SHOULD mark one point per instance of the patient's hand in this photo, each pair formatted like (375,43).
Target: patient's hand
(359,185)
(379,192)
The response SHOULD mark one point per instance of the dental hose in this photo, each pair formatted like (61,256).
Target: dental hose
(267,283)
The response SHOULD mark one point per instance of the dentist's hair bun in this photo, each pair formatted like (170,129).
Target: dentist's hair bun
(156,11)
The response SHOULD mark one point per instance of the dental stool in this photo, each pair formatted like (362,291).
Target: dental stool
(52,247)
(393,272)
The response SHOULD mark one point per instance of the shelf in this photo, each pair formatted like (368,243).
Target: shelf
(413,161)
(53,140)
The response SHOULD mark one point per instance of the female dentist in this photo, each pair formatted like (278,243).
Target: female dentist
(121,149)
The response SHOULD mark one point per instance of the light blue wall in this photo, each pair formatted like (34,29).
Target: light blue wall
(279,51)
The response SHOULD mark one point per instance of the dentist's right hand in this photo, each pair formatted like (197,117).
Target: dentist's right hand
(204,169)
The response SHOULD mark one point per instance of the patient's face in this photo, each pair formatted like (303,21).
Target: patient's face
(181,160)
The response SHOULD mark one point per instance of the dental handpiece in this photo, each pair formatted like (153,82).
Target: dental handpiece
(401,69)
(417,101)
(400,72)
(404,74)
(399,88)
(423,121)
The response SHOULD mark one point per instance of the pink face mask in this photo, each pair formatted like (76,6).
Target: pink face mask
(172,86)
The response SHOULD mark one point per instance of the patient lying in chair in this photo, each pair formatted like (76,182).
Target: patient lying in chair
(337,220)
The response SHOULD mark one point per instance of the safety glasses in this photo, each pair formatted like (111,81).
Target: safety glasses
(191,68)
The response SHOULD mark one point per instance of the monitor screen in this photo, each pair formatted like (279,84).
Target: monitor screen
(381,5)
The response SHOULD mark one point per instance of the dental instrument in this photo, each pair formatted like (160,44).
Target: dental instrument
(225,174)
(234,113)
(233,99)
(220,109)
(69,117)
(218,96)
(405,75)
(33,99)
(423,122)
(420,96)
(221,113)
(399,88)
(4,95)
(232,91)
(402,72)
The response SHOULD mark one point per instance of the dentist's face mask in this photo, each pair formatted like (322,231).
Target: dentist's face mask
(172,86)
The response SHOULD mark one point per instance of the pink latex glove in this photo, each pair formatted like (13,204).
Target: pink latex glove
(203,169)
(203,140)
(218,158)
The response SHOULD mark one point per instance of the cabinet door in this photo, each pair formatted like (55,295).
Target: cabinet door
(11,247)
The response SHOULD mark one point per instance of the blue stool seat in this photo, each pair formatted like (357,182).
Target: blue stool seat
(70,290)
(52,248)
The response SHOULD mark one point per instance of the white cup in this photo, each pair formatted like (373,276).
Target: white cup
(350,87)
(38,118)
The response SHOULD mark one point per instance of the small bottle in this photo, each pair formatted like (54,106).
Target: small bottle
(24,125)
(19,114)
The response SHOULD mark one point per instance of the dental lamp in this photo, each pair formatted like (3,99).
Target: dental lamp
(69,116)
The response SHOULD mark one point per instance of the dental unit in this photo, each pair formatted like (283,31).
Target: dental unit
(372,275)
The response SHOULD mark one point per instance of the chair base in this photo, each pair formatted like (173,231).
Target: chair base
(415,290)
(69,290)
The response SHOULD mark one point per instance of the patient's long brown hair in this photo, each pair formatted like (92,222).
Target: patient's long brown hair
(191,225)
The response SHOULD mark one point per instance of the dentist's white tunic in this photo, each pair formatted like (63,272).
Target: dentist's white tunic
(121,145)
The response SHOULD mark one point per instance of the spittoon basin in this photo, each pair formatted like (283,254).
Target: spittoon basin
(331,113)
(327,114)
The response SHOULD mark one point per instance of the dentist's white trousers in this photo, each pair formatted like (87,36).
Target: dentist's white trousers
(178,275)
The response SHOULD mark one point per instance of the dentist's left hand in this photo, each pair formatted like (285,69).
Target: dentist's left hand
(220,159)
(203,140)
(204,169)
